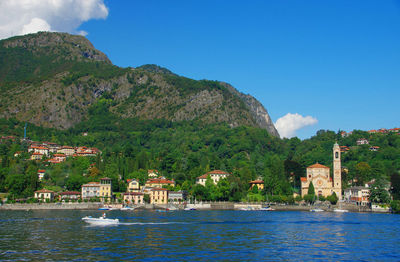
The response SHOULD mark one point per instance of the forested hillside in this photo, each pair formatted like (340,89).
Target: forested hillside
(185,150)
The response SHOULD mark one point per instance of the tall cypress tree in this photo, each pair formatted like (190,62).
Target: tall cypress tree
(311,190)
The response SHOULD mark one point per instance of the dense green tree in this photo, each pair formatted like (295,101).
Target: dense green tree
(395,182)
(311,190)
(378,193)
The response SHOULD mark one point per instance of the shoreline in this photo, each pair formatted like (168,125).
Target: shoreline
(199,206)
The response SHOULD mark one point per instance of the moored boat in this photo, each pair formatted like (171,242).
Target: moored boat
(127,208)
(316,210)
(340,210)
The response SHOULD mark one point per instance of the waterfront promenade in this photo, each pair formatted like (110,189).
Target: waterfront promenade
(197,206)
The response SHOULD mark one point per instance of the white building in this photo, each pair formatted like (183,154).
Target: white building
(215,176)
(91,190)
(358,195)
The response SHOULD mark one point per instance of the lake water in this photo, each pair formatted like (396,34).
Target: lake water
(199,236)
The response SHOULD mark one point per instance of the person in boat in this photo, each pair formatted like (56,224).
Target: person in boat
(104,215)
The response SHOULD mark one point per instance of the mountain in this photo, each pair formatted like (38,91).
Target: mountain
(54,79)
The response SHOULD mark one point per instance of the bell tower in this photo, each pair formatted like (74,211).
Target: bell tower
(337,171)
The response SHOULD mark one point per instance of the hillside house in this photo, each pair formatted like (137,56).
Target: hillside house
(37,156)
(39,149)
(258,183)
(66,150)
(41,173)
(133,185)
(374,148)
(215,176)
(362,141)
(152,173)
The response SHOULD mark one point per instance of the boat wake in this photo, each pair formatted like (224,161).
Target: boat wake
(151,223)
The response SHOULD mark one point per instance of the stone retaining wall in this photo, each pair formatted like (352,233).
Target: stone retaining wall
(60,206)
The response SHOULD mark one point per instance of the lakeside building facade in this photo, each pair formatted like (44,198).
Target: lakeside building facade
(44,194)
(177,197)
(91,190)
(159,196)
(134,198)
(358,195)
(105,189)
(319,175)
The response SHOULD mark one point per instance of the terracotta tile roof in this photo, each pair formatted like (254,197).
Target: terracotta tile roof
(317,165)
(69,193)
(44,191)
(91,184)
(159,189)
(152,171)
(41,171)
(218,172)
(37,154)
(256,182)
(133,194)
(215,172)
(159,181)
(203,176)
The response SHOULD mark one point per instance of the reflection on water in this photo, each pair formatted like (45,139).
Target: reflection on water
(199,235)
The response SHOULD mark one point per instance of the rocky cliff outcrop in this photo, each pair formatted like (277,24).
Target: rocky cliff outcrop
(52,79)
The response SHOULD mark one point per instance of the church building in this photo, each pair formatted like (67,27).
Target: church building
(319,175)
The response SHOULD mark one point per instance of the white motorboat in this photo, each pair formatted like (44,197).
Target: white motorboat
(101,221)
(316,210)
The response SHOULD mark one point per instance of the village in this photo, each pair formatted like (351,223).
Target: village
(158,190)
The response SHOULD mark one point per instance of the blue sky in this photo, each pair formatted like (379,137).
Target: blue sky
(335,61)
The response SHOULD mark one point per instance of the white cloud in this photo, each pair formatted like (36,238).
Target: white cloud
(290,123)
(18,17)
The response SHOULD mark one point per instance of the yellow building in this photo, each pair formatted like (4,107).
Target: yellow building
(105,188)
(258,183)
(133,185)
(159,196)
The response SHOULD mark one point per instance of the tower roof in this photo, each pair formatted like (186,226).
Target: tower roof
(317,165)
